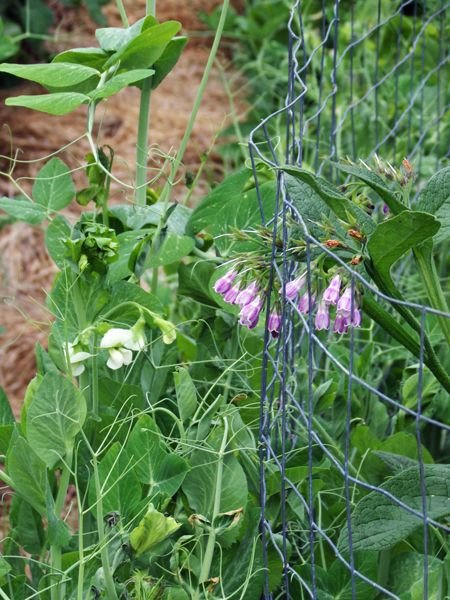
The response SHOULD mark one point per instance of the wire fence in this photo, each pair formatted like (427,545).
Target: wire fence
(366,78)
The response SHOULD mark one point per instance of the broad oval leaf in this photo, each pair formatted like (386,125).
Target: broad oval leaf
(59,103)
(379,523)
(435,199)
(28,473)
(54,187)
(152,530)
(120,81)
(24,210)
(54,418)
(51,74)
(89,57)
(168,59)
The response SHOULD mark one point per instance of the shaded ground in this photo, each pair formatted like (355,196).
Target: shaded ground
(26,271)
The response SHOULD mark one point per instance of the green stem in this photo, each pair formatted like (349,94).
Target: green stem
(427,270)
(209,552)
(165,194)
(143,125)
(57,591)
(94,380)
(142,143)
(122,13)
(109,582)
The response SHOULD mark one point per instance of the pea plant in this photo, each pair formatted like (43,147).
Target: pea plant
(133,470)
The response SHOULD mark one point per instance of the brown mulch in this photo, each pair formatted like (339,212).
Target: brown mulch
(26,272)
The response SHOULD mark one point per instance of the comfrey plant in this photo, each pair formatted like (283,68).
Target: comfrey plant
(366,239)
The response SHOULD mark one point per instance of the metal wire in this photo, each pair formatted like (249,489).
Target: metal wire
(333,87)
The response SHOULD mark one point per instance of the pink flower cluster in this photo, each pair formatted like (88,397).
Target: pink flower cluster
(347,311)
(251,300)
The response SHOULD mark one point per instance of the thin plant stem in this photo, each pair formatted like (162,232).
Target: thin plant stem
(123,13)
(142,142)
(110,588)
(165,194)
(55,549)
(143,125)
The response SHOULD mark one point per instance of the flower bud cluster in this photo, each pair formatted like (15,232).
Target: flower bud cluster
(251,299)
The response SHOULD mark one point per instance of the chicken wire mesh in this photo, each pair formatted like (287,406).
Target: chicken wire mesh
(366,79)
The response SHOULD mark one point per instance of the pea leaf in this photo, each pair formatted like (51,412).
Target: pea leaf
(24,210)
(173,249)
(59,103)
(57,232)
(154,465)
(186,393)
(168,59)
(89,57)
(152,530)
(120,81)
(54,418)
(145,49)
(6,414)
(54,188)
(28,473)
(120,488)
(112,39)
(379,523)
(52,74)
(202,483)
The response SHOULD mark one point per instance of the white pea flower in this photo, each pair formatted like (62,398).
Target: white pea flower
(76,358)
(120,343)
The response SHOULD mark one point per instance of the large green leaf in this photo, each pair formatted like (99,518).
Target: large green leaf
(186,393)
(135,217)
(112,39)
(6,413)
(89,57)
(57,75)
(55,417)
(152,530)
(341,206)
(120,81)
(59,103)
(56,234)
(168,59)
(28,473)
(435,193)
(155,466)
(23,209)
(146,48)
(394,237)
(406,576)
(379,523)
(120,488)
(193,282)
(375,182)
(230,207)
(27,525)
(54,188)
(435,199)
(173,248)
(202,483)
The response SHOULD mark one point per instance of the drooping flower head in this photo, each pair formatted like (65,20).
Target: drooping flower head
(223,284)
(356,317)
(293,287)
(345,301)
(248,294)
(231,295)
(341,323)
(322,320)
(306,303)
(331,294)
(249,314)
(274,324)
